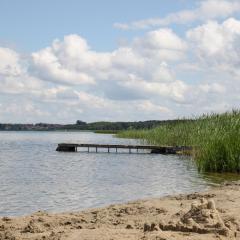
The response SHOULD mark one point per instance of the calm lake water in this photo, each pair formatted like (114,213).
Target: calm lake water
(33,176)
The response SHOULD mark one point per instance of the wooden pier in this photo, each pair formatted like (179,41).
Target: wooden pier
(72,147)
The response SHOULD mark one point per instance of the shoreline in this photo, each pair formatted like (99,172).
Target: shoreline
(213,214)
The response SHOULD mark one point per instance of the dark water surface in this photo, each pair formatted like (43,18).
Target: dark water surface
(33,176)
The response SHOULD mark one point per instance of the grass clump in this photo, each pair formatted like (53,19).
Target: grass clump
(215,138)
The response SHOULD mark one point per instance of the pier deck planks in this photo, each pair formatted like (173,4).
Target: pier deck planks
(72,147)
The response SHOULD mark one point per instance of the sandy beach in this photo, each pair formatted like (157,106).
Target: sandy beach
(209,215)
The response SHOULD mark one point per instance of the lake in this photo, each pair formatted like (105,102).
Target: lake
(33,176)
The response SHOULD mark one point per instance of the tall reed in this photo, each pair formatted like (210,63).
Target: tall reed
(215,138)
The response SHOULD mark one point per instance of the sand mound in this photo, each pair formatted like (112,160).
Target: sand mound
(202,218)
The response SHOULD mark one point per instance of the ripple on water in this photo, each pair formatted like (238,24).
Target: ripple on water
(34,176)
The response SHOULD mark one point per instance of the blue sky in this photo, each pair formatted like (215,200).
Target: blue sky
(30,25)
(117,60)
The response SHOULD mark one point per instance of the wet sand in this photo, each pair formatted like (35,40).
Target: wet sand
(209,215)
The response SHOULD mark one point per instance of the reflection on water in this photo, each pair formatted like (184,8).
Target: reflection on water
(34,176)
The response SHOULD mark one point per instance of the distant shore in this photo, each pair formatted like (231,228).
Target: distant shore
(214,214)
(83,126)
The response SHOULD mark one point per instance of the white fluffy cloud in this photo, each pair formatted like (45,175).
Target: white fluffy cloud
(70,73)
(73,62)
(145,58)
(215,49)
(13,73)
(217,45)
(9,64)
(53,63)
(156,76)
(162,44)
(205,10)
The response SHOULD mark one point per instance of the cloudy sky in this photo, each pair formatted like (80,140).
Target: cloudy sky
(117,60)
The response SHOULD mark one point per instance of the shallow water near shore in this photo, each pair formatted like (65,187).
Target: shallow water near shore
(33,176)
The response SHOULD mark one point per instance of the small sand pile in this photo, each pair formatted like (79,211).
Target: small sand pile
(202,218)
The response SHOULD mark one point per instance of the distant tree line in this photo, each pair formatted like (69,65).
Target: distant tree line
(81,125)
(29,127)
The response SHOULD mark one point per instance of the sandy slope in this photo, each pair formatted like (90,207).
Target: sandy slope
(211,215)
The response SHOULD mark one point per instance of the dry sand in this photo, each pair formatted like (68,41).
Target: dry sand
(210,215)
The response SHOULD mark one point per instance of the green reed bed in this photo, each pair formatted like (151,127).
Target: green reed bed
(215,138)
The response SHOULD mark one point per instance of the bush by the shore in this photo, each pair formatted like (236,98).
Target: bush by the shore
(215,138)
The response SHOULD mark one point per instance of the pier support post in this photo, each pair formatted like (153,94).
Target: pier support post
(116,150)
(96,149)
(88,149)
(108,150)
